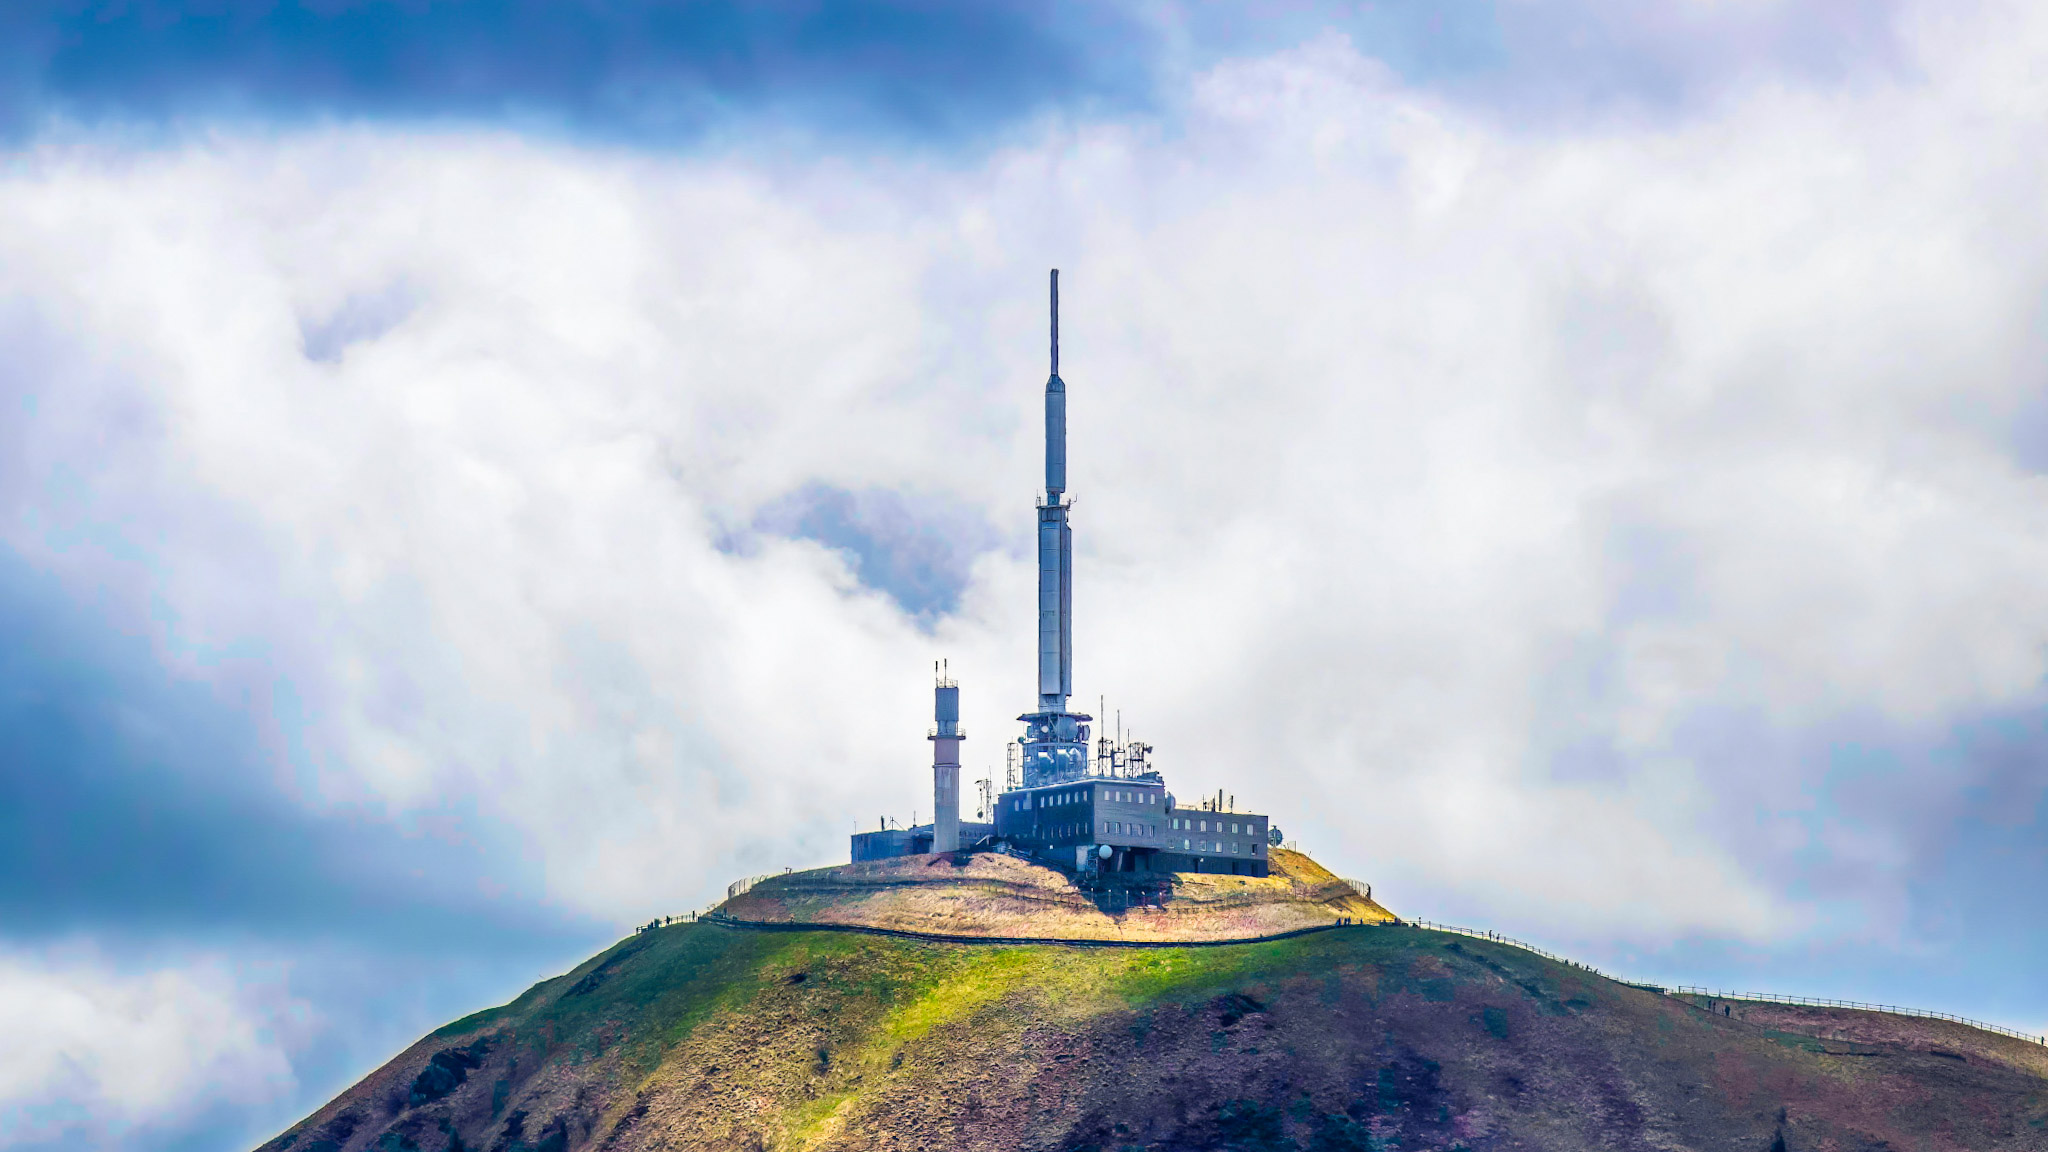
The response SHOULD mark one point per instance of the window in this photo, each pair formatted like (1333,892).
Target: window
(1203,827)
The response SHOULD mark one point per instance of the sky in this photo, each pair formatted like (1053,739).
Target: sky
(477,476)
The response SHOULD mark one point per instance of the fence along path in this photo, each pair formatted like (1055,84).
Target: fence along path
(1497,938)
(1762,997)
(1893,1009)
(739,886)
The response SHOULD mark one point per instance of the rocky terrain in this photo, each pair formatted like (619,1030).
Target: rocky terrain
(1381,1036)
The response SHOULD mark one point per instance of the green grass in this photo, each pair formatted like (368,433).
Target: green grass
(809,1038)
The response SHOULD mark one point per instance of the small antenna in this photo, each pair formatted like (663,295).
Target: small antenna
(1055,321)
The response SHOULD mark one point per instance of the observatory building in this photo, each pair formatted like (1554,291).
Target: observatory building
(1102,808)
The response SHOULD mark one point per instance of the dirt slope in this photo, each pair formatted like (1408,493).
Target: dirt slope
(1388,1037)
(987,894)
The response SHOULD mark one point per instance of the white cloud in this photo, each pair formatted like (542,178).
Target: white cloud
(100,1053)
(1421,463)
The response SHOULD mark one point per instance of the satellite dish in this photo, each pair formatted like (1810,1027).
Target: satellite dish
(1105,851)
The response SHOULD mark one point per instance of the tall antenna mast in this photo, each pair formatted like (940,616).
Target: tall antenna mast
(1055,321)
(1056,739)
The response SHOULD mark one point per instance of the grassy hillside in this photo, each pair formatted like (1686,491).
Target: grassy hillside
(700,1036)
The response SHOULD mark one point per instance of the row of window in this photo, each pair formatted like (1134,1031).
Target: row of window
(1077,795)
(1125,828)
(1203,825)
(1221,847)
(1052,799)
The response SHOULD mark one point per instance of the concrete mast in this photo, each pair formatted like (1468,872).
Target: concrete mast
(946,737)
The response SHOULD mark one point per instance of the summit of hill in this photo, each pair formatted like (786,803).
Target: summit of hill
(993,895)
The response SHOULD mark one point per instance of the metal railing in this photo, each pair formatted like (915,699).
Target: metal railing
(1497,938)
(1860,1006)
(739,886)
(1361,887)
(1763,997)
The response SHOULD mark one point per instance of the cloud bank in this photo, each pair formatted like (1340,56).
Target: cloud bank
(100,1054)
(1625,532)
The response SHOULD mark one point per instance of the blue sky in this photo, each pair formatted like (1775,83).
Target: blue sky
(476,476)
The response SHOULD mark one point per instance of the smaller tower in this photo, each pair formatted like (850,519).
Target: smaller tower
(946,737)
